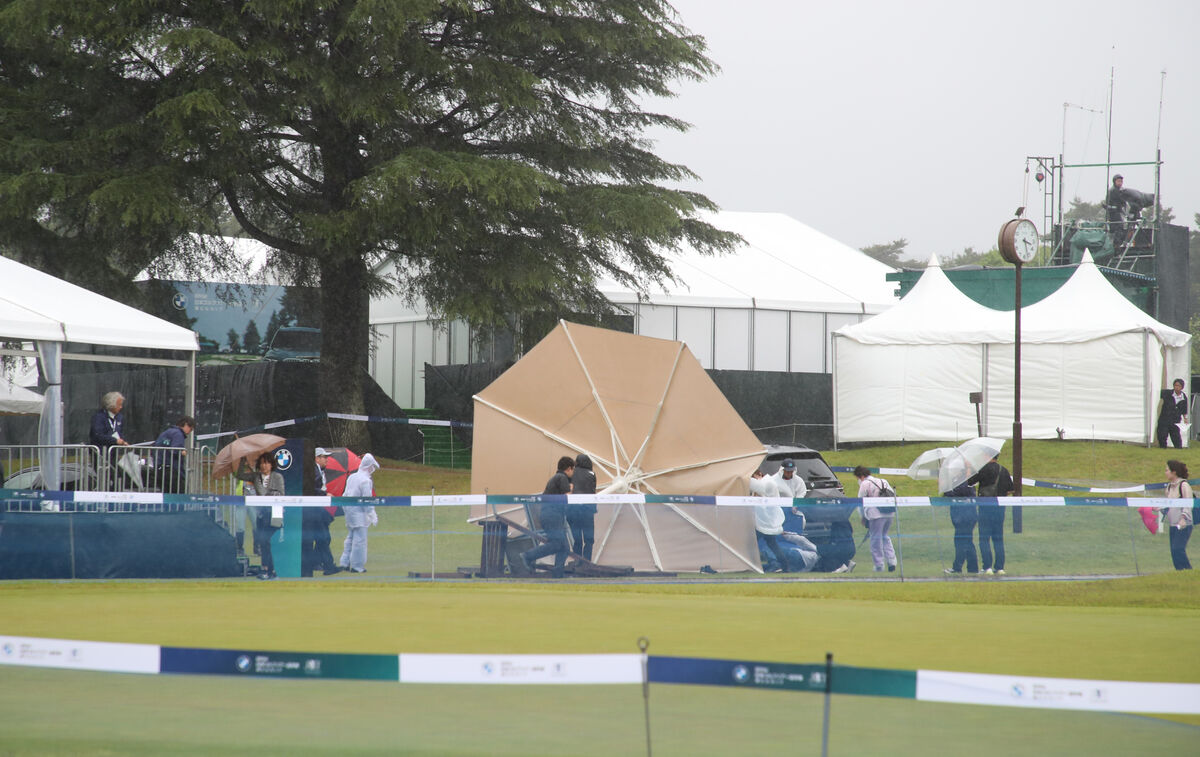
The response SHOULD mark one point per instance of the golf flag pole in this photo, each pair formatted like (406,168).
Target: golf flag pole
(644,645)
(828,697)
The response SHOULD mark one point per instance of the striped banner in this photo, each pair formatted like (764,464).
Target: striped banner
(602,669)
(458,500)
(334,416)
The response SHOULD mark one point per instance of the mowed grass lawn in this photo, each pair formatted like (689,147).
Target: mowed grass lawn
(1144,628)
(1129,629)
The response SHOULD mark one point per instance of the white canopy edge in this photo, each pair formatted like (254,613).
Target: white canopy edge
(36,306)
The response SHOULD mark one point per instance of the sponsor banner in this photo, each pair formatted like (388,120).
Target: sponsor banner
(253,500)
(138,498)
(367,667)
(521,668)
(874,682)
(1058,693)
(680,499)
(768,675)
(441,500)
(79,655)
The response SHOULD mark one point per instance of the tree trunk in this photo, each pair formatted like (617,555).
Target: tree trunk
(344,344)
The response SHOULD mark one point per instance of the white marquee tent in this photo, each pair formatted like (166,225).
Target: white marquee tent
(769,305)
(1092,365)
(37,307)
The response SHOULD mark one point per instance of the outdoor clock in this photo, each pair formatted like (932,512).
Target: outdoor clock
(1018,241)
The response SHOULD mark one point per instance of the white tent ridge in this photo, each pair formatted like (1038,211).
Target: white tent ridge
(784,264)
(1092,365)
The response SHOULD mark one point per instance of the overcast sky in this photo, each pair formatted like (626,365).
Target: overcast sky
(873,120)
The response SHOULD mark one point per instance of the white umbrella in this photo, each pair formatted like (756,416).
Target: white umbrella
(928,463)
(965,461)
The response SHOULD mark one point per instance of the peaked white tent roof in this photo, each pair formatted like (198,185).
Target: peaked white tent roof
(1088,307)
(933,312)
(1092,365)
(784,265)
(36,306)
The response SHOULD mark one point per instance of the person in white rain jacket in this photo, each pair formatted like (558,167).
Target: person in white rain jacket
(359,517)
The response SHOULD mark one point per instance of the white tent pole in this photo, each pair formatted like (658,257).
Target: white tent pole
(637,458)
(618,448)
(644,475)
(716,538)
(547,434)
(640,511)
(598,550)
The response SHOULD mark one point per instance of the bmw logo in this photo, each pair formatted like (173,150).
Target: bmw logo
(283,458)
(243,663)
(179,301)
(741,674)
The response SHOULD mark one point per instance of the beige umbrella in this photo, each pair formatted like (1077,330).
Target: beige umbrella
(652,421)
(246,448)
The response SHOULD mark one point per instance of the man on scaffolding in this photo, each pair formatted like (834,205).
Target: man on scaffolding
(1124,206)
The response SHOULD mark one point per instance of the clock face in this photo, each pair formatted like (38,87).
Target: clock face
(1025,240)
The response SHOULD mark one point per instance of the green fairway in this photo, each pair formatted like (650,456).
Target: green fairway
(1104,630)
(1142,629)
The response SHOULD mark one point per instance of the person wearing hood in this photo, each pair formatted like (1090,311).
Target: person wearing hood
(582,518)
(768,523)
(359,517)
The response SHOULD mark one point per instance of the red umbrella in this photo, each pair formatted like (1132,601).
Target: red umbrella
(341,463)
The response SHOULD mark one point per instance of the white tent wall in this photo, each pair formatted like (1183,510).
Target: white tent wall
(1092,365)
(771,305)
(896,392)
(1075,387)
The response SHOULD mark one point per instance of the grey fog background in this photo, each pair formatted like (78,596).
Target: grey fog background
(872,121)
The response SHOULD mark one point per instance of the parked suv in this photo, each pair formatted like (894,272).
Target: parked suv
(295,343)
(821,482)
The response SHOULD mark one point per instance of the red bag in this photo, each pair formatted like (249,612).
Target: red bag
(1150,518)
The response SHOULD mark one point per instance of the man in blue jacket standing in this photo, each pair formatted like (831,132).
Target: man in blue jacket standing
(172,471)
(582,518)
(553,522)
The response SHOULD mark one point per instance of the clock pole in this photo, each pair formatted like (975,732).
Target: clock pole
(1018,244)
(1016,432)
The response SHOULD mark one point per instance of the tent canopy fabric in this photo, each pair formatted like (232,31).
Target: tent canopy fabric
(1092,365)
(17,400)
(36,306)
(652,421)
(783,264)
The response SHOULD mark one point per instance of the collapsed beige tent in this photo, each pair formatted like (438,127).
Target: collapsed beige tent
(651,420)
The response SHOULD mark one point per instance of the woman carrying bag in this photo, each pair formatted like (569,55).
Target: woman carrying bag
(1179,519)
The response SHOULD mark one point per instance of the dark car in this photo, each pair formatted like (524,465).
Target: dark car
(821,482)
(295,343)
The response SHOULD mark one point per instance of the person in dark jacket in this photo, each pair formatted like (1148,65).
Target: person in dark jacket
(108,423)
(552,518)
(993,480)
(582,518)
(1174,410)
(172,473)
(964,517)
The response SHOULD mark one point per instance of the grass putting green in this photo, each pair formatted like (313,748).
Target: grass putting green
(1105,630)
